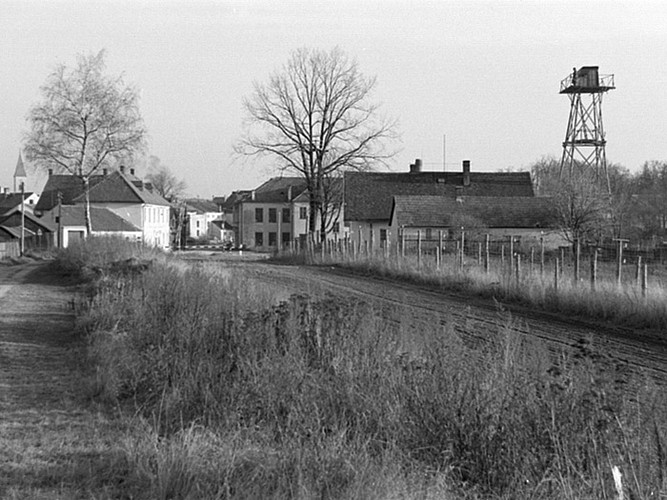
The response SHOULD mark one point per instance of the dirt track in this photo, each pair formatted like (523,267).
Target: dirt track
(49,436)
(621,349)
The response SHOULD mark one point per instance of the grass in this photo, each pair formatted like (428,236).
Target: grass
(240,394)
(625,305)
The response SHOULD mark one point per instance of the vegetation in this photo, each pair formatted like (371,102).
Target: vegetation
(241,395)
(85,120)
(316,119)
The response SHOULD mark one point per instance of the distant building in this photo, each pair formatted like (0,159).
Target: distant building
(200,215)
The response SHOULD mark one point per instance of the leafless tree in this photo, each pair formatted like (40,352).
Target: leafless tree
(164,181)
(316,118)
(86,120)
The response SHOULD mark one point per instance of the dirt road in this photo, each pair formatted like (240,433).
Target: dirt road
(52,443)
(622,349)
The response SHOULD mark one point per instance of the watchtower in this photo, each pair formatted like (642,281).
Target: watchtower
(584,144)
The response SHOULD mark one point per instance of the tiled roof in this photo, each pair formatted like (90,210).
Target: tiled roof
(112,188)
(234,198)
(369,195)
(11,200)
(201,206)
(67,185)
(101,219)
(276,190)
(492,211)
(13,219)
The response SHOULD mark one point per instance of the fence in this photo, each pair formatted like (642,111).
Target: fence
(10,249)
(512,259)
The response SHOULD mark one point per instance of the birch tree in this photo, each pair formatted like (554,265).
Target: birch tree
(316,118)
(85,120)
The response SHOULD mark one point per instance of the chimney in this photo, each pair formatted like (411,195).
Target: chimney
(50,172)
(289,193)
(252,195)
(466,173)
(148,186)
(6,190)
(122,169)
(132,171)
(105,172)
(416,167)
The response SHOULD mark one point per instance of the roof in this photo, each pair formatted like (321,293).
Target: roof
(492,211)
(224,225)
(112,188)
(278,189)
(13,219)
(234,198)
(369,195)
(201,206)
(101,219)
(10,201)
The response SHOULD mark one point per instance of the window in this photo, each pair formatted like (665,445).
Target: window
(273,239)
(197,223)
(259,215)
(259,239)
(303,213)
(383,235)
(286,214)
(272,215)
(286,238)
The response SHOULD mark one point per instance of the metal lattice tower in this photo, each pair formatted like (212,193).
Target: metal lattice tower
(584,144)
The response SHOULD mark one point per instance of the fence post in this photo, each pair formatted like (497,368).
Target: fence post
(419,248)
(638,270)
(402,243)
(645,281)
(463,248)
(502,258)
(577,255)
(556,274)
(440,241)
(542,256)
(518,269)
(479,253)
(486,254)
(532,260)
(438,258)
(511,254)
(619,262)
(594,268)
(562,260)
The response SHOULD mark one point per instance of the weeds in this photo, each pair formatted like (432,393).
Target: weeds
(322,397)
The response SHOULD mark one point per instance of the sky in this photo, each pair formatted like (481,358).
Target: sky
(472,80)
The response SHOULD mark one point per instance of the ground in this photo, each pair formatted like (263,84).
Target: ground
(53,442)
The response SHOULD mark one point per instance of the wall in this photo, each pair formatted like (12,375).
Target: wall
(9,249)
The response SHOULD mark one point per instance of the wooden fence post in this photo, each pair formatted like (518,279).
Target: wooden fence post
(541,256)
(440,241)
(638,270)
(577,255)
(438,257)
(556,270)
(532,260)
(511,255)
(645,281)
(594,267)
(402,243)
(517,269)
(479,253)
(419,249)
(486,254)
(619,262)
(463,248)
(562,260)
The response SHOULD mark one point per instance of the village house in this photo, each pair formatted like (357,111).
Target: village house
(275,214)
(369,196)
(119,192)
(200,216)
(526,219)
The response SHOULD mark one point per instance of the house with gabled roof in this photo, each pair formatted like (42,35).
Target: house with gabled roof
(525,218)
(104,222)
(369,196)
(37,231)
(120,192)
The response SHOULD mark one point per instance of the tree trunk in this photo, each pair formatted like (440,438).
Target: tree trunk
(86,192)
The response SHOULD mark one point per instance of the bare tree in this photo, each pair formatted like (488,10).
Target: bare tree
(581,201)
(85,120)
(164,182)
(315,117)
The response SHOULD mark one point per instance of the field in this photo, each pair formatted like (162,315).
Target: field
(251,380)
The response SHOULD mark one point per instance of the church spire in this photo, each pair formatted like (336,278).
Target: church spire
(19,174)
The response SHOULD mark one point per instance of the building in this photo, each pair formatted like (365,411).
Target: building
(369,196)
(525,218)
(200,216)
(119,192)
